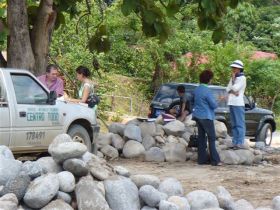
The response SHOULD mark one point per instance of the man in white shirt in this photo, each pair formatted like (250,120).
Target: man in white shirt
(236,88)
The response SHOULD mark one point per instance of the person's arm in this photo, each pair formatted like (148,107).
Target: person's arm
(211,101)
(238,84)
(86,92)
(60,88)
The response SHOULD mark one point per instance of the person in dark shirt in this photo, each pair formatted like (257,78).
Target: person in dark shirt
(183,110)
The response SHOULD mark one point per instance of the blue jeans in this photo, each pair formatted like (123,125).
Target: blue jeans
(206,126)
(238,128)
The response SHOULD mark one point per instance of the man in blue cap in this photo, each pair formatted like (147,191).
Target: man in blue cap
(236,88)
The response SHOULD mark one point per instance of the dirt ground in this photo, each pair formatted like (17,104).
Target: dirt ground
(258,184)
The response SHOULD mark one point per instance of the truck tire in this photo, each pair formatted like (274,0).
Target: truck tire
(80,134)
(265,134)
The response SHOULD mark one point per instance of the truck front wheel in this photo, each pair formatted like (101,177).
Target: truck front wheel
(80,134)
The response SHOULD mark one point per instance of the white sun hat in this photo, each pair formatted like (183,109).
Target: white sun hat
(237,64)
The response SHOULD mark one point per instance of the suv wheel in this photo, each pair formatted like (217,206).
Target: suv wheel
(80,134)
(265,134)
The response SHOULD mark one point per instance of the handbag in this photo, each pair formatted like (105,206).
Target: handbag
(193,140)
(92,100)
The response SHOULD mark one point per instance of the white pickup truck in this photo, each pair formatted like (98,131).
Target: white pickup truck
(31,116)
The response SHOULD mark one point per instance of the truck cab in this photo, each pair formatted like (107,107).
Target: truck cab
(31,116)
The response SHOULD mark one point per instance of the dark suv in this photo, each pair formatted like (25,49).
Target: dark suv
(260,122)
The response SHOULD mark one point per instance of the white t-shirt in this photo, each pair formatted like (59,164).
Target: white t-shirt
(239,86)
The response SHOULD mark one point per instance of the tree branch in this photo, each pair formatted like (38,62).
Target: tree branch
(163,4)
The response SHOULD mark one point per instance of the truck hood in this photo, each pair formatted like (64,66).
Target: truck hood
(77,111)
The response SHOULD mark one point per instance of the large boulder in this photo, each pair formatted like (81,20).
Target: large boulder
(48,165)
(201,199)
(175,152)
(246,157)
(150,195)
(221,129)
(99,170)
(181,202)
(166,205)
(66,181)
(9,169)
(133,149)
(64,196)
(120,170)
(104,139)
(117,128)
(57,205)
(148,142)
(224,198)
(229,157)
(67,150)
(32,168)
(132,132)
(175,128)
(155,154)
(148,128)
(117,142)
(17,185)
(76,166)
(8,202)
(6,152)
(121,193)
(41,191)
(244,205)
(89,196)
(276,203)
(110,152)
(145,179)
(171,186)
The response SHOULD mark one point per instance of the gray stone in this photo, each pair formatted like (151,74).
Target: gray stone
(48,165)
(221,129)
(41,191)
(148,208)
(6,152)
(110,152)
(276,203)
(260,145)
(159,130)
(148,129)
(76,166)
(189,122)
(258,159)
(10,168)
(104,139)
(57,205)
(67,150)
(8,202)
(155,154)
(87,157)
(32,168)
(132,132)
(171,186)
(229,157)
(148,142)
(145,179)
(89,196)
(166,205)
(64,196)
(244,205)
(150,195)
(160,139)
(117,128)
(263,208)
(224,198)
(133,149)
(120,170)
(98,170)
(246,157)
(66,181)
(117,142)
(181,202)
(175,128)
(17,185)
(172,139)
(175,152)
(201,199)
(121,193)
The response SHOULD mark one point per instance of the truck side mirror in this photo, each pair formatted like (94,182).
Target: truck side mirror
(52,98)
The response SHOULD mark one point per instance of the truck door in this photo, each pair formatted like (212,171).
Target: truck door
(36,122)
(4,116)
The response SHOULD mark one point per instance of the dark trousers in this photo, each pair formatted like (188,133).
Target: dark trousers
(206,127)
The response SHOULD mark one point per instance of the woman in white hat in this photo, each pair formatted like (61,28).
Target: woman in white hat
(236,88)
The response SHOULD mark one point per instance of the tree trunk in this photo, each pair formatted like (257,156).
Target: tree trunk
(19,53)
(157,77)
(41,35)
(3,62)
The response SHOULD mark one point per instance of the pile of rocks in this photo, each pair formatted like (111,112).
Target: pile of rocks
(156,141)
(73,178)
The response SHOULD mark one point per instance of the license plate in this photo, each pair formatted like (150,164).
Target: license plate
(159,112)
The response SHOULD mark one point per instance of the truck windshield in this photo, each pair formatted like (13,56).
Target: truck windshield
(166,94)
